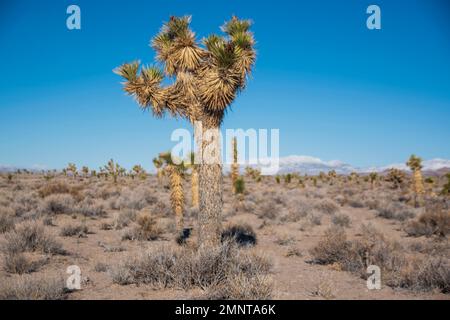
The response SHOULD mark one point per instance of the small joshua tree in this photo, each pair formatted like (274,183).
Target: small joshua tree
(157,162)
(176,173)
(446,188)
(234,165)
(138,171)
(72,168)
(113,169)
(239,186)
(373,178)
(396,177)
(207,81)
(85,171)
(415,164)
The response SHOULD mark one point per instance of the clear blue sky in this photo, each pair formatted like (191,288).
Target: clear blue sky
(335,89)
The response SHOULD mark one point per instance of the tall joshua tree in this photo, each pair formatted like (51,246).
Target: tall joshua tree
(175,172)
(415,164)
(235,165)
(208,78)
(113,169)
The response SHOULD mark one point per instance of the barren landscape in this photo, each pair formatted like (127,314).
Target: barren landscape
(285,237)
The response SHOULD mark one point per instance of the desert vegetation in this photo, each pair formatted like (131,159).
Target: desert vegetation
(280,238)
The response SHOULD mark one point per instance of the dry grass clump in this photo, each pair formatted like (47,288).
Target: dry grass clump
(327,206)
(24,202)
(124,219)
(80,231)
(31,236)
(145,229)
(225,269)
(59,187)
(434,221)
(136,199)
(32,288)
(91,209)
(19,263)
(243,234)
(394,210)
(341,220)
(373,248)
(58,204)
(6,221)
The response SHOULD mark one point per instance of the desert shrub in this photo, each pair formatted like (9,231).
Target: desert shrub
(124,219)
(146,229)
(91,209)
(24,202)
(31,236)
(299,210)
(355,202)
(101,267)
(184,268)
(32,288)
(428,274)
(58,204)
(315,219)
(134,199)
(284,239)
(268,210)
(58,187)
(394,210)
(341,220)
(434,221)
(74,230)
(327,206)
(6,221)
(242,234)
(19,263)
(240,287)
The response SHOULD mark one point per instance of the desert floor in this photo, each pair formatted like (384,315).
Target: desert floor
(49,223)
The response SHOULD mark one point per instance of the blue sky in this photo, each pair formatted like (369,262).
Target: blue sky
(335,89)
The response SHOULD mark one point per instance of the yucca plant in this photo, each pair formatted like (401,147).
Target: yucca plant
(239,186)
(207,81)
(157,162)
(234,165)
(175,172)
(415,164)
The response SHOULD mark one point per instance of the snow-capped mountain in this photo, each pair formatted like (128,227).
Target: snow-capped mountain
(312,165)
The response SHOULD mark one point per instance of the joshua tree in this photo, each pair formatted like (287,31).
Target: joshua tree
(446,188)
(372,178)
(175,172)
(396,177)
(113,169)
(194,180)
(208,79)
(138,171)
(157,162)
(71,167)
(415,164)
(85,171)
(234,165)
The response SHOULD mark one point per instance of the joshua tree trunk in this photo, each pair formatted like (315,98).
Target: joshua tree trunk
(177,198)
(194,187)
(210,178)
(418,187)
